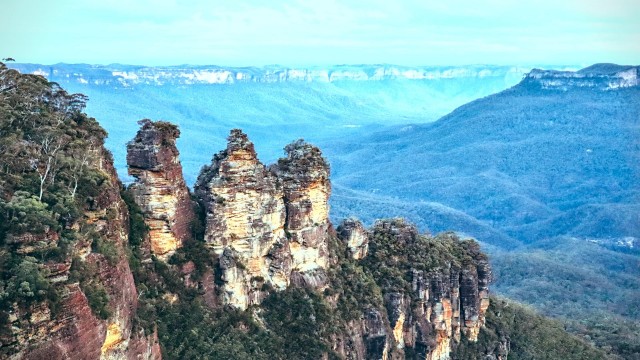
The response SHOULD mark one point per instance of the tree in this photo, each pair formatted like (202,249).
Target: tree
(46,164)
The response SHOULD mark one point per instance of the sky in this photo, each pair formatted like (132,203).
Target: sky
(321,32)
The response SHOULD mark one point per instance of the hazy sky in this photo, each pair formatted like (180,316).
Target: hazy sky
(305,32)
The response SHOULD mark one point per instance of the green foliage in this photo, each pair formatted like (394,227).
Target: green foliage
(302,321)
(107,248)
(198,224)
(50,174)
(617,336)
(137,227)
(86,274)
(355,288)
(394,254)
(29,284)
(98,300)
(25,213)
(23,281)
(593,290)
(196,252)
(298,326)
(206,334)
(531,336)
(167,129)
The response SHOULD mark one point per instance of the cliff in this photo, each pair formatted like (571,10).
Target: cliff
(269,226)
(434,289)
(599,77)
(128,75)
(66,287)
(160,190)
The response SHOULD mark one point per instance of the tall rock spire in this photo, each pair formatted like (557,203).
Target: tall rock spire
(245,218)
(160,189)
(304,175)
(269,226)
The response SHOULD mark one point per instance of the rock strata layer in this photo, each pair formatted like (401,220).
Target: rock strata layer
(353,233)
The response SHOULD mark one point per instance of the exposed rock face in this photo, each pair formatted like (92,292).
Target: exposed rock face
(353,233)
(304,175)
(74,332)
(125,75)
(268,226)
(599,76)
(160,190)
(245,222)
(439,306)
(367,338)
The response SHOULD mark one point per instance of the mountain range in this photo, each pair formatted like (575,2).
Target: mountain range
(545,173)
(542,168)
(555,155)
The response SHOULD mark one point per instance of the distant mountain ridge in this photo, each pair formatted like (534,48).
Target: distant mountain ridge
(273,104)
(599,76)
(558,154)
(130,75)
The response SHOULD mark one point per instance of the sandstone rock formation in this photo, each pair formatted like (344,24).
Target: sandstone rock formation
(245,222)
(269,226)
(304,175)
(438,306)
(73,331)
(353,233)
(160,190)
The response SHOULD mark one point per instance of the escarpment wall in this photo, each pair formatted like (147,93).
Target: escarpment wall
(444,297)
(73,331)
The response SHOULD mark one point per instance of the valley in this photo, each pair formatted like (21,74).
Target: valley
(542,170)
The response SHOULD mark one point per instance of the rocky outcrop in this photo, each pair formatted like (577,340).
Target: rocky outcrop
(245,222)
(269,226)
(440,303)
(353,233)
(304,176)
(160,189)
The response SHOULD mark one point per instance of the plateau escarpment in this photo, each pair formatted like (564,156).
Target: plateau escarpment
(598,76)
(128,75)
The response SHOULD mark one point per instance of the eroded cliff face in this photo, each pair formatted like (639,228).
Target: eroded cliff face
(72,330)
(245,222)
(160,189)
(442,300)
(304,175)
(269,226)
